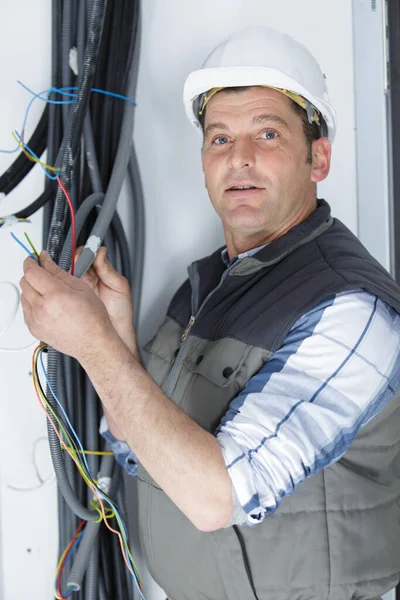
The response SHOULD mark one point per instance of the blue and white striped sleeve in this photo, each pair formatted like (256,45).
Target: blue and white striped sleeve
(122,451)
(338,366)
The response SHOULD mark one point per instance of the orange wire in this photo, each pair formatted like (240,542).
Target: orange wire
(73,224)
(92,488)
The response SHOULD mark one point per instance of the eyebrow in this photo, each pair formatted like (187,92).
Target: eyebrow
(259,120)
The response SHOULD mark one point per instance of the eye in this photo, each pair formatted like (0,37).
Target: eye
(270,134)
(220,140)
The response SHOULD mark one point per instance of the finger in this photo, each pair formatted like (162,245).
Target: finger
(27,310)
(78,252)
(91,278)
(28,292)
(56,273)
(45,278)
(107,274)
(37,277)
(101,258)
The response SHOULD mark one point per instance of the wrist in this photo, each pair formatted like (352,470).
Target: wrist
(101,348)
(127,334)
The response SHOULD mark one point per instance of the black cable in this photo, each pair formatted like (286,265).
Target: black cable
(120,30)
(75,126)
(44,197)
(22,165)
(54,134)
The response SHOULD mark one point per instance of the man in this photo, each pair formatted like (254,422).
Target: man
(266,437)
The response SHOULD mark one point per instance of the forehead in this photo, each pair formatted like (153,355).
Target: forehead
(247,98)
(247,102)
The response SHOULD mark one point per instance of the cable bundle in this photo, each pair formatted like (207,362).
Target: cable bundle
(86,127)
(71,443)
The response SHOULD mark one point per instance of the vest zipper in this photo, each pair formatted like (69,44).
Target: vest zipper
(173,375)
(188,328)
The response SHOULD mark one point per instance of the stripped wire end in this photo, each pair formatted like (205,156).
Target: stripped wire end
(35,252)
(36,258)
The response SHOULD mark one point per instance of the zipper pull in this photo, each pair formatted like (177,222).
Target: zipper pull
(188,328)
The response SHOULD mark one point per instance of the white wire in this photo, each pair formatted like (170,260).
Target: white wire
(11,319)
(31,345)
(42,482)
(15,308)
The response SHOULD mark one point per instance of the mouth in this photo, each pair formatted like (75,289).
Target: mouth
(240,191)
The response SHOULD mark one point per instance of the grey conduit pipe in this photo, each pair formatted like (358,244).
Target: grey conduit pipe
(58,460)
(114,189)
(55,450)
(90,533)
(69,154)
(53,359)
(71,142)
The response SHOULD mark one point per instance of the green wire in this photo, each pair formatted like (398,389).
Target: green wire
(35,252)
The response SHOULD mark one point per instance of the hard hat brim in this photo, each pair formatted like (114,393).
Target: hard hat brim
(200,81)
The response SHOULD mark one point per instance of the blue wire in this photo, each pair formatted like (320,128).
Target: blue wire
(114,95)
(98,91)
(64,92)
(24,247)
(78,539)
(47,91)
(52,177)
(63,411)
(35,97)
(99,490)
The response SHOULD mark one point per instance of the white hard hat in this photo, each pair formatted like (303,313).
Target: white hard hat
(261,56)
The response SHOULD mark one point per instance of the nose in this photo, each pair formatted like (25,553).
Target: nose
(241,154)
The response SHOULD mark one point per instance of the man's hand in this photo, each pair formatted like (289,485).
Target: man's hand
(61,310)
(113,290)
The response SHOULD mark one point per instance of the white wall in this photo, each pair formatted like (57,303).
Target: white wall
(181,226)
(177,36)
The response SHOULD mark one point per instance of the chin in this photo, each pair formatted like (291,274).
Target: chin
(245,220)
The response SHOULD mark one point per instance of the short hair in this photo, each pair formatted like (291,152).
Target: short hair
(312,131)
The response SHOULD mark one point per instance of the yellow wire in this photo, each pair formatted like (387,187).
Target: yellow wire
(31,157)
(81,468)
(94,452)
(2,220)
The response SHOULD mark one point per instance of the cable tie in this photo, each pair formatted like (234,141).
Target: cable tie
(104,483)
(9,221)
(93,243)
(73,60)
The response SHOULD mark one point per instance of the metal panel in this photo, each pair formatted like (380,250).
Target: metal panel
(394,100)
(371,86)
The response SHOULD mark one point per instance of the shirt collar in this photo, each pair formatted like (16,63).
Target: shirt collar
(228,263)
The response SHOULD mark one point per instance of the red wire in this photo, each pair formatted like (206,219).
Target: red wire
(72,223)
(72,542)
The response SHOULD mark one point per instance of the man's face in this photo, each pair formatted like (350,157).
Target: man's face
(255,138)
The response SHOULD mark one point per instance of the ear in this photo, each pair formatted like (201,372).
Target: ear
(321,159)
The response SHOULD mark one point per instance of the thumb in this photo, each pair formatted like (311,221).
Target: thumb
(48,264)
(106,272)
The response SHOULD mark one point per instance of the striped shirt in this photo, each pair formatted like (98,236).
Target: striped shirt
(338,366)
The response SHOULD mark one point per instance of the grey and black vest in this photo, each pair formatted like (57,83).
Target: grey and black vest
(338,536)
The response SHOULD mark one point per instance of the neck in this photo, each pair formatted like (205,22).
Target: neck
(239,242)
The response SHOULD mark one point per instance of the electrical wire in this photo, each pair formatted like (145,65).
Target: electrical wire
(95,162)
(14,311)
(69,440)
(64,561)
(23,246)
(73,223)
